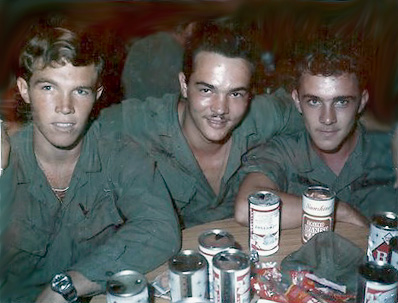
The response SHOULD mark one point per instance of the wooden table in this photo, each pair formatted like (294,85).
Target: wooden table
(290,241)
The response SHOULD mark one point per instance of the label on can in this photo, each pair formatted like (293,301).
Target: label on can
(383,227)
(212,242)
(127,286)
(393,257)
(377,283)
(318,209)
(264,218)
(188,275)
(231,277)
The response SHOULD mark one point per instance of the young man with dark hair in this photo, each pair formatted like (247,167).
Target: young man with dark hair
(78,205)
(198,138)
(334,151)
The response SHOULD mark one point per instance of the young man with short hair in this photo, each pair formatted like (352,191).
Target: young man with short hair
(79,205)
(334,150)
(198,138)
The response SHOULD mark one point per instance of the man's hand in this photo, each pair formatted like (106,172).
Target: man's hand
(48,295)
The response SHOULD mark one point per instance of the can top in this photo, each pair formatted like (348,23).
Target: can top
(265,198)
(319,193)
(126,283)
(216,238)
(231,260)
(385,220)
(187,261)
(379,272)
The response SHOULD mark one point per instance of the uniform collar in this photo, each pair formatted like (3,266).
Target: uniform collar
(22,143)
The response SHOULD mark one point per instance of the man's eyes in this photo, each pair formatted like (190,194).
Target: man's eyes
(341,103)
(238,94)
(205,90)
(46,87)
(313,102)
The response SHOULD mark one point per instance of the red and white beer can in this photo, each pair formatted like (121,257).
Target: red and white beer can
(393,255)
(383,227)
(264,218)
(212,242)
(377,282)
(231,277)
(318,210)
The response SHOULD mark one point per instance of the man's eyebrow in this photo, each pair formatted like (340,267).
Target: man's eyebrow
(309,96)
(349,97)
(205,84)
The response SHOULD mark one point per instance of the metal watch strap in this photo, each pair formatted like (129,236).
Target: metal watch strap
(62,284)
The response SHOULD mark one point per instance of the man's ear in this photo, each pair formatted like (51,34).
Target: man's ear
(296,100)
(23,89)
(183,84)
(99,92)
(364,100)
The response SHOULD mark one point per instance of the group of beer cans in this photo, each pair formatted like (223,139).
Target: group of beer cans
(217,271)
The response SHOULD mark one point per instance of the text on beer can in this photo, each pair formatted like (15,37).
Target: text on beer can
(264,217)
(231,276)
(318,209)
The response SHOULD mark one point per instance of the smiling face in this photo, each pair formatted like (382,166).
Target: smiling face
(330,105)
(217,96)
(61,100)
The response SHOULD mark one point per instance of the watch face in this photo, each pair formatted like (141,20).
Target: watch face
(61,283)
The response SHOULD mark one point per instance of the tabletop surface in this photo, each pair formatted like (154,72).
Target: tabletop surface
(290,241)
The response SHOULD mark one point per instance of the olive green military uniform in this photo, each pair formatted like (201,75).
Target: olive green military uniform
(365,182)
(116,215)
(155,124)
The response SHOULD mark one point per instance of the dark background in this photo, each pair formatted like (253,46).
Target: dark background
(275,24)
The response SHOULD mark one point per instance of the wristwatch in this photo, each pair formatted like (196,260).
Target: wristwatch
(62,284)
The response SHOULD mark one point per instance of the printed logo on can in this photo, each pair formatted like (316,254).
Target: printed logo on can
(264,218)
(383,228)
(376,292)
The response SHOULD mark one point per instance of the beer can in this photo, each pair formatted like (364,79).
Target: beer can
(264,218)
(377,282)
(383,227)
(212,242)
(231,269)
(393,254)
(318,210)
(127,286)
(188,275)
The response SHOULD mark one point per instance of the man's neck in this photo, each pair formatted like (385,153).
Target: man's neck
(336,160)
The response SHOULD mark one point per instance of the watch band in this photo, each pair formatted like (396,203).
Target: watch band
(62,284)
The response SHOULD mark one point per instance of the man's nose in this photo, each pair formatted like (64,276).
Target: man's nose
(328,115)
(65,105)
(219,105)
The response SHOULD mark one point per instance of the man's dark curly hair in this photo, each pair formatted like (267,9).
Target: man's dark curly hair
(333,56)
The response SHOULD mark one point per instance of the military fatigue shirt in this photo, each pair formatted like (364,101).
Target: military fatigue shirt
(155,124)
(365,182)
(116,215)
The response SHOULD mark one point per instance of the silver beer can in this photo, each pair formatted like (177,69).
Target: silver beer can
(188,275)
(318,210)
(127,286)
(377,282)
(231,269)
(264,218)
(383,227)
(212,242)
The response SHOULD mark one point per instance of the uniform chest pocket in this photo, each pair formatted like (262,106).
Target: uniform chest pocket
(100,219)
(181,186)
